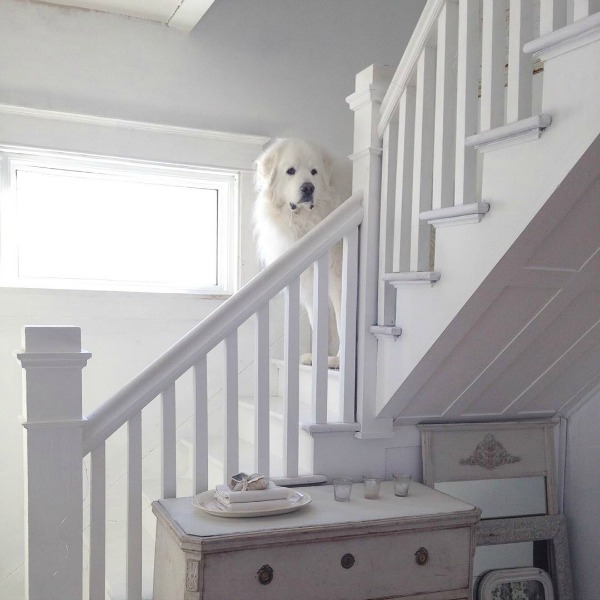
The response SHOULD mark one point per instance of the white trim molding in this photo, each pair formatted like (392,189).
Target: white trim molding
(411,278)
(582,32)
(460,214)
(188,14)
(524,130)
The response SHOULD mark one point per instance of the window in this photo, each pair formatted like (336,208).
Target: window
(74,222)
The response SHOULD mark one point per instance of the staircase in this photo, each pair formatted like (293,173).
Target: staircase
(469,291)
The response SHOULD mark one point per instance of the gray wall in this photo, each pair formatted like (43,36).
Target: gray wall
(270,67)
(582,498)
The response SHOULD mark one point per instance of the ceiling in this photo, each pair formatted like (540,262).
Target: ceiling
(179,14)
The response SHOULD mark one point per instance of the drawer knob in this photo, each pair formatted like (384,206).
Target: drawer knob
(347,561)
(422,556)
(265,575)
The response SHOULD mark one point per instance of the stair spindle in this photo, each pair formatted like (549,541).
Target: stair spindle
(200,456)
(553,15)
(97,582)
(261,391)
(231,422)
(291,359)
(134,507)
(320,338)
(169,441)
(492,64)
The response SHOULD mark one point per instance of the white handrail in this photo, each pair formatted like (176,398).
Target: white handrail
(411,55)
(132,398)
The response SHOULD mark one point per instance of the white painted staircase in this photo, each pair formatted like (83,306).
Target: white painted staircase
(499,306)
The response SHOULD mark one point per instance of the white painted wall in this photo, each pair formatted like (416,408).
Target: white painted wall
(582,497)
(269,67)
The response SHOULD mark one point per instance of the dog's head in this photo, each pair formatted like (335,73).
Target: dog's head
(295,172)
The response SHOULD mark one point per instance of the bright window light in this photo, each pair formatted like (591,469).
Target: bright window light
(103,227)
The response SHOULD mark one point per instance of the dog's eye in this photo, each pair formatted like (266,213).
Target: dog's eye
(291,171)
(313,172)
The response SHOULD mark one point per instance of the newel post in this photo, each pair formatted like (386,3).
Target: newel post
(371,85)
(52,361)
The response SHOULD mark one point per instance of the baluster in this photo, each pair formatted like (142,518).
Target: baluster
(291,357)
(423,161)
(585,8)
(261,391)
(134,507)
(520,65)
(200,457)
(168,455)
(348,326)
(492,64)
(404,180)
(445,107)
(553,14)
(386,297)
(98,524)
(467,77)
(230,391)
(320,338)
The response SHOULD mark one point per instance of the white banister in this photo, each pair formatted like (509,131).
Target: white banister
(404,181)
(492,64)
(231,422)
(371,84)
(200,453)
(169,440)
(444,145)
(134,507)
(520,65)
(261,390)
(348,327)
(320,335)
(97,579)
(423,160)
(291,358)
(130,400)
(53,361)
(467,78)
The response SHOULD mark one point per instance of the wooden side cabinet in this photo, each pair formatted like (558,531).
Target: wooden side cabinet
(420,546)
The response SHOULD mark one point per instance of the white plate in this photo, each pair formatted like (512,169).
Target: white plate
(206,502)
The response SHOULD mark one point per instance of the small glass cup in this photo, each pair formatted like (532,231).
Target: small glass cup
(371,486)
(342,486)
(401,484)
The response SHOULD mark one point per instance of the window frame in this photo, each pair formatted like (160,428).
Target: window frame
(225,181)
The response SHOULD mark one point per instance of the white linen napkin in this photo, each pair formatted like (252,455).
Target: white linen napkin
(225,496)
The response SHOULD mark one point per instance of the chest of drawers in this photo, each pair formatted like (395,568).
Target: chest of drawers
(419,546)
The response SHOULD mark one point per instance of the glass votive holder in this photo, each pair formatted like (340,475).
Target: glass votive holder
(342,486)
(371,487)
(401,484)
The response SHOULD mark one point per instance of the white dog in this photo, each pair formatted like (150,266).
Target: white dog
(295,194)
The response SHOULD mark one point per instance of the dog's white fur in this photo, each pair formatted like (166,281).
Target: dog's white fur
(283,213)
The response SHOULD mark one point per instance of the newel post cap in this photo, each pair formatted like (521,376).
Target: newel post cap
(52,347)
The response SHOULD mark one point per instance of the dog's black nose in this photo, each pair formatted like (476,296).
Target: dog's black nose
(307,188)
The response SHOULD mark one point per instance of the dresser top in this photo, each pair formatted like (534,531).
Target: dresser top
(423,507)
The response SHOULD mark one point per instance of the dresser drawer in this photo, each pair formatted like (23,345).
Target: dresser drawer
(381,566)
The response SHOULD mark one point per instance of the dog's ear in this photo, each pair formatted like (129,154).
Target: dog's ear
(266,166)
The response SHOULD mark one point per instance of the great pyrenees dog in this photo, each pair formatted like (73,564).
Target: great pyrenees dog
(295,193)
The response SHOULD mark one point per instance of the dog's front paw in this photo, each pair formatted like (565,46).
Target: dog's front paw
(333,362)
(306,358)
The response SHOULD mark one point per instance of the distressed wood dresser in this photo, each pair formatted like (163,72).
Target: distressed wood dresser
(420,546)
